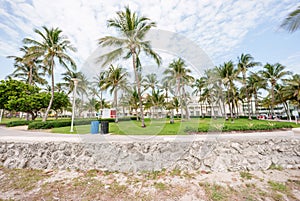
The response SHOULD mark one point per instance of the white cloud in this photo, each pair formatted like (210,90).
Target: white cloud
(292,62)
(216,26)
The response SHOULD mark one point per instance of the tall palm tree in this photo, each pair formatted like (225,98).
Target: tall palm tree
(116,79)
(99,81)
(28,68)
(254,84)
(273,74)
(292,89)
(90,106)
(133,29)
(156,100)
(211,79)
(69,83)
(179,75)
(245,61)
(199,86)
(292,21)
(150,81)
(228,73)
(52,47)
(282,98)
(133,101)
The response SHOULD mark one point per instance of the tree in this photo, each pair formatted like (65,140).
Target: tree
(179,74)
(292,89)
(53,47)
(156,100)
(116,79)
(19,96)
(133,101)
(212,81)
(22,97)
(60,102)
(133,29)
(91,105)
(273,74)
(199,84)
(254,84)
(28,68)
(292,21)
(98,84)
(228,73)
(245,61)
(150,81)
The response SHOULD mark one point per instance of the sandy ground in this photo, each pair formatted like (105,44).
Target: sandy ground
(270,185)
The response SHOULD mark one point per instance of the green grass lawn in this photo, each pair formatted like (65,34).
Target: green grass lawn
(163,127)
(6,120)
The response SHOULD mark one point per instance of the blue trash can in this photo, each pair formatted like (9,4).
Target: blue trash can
(94,127)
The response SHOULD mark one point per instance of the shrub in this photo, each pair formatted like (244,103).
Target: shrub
(63,123)
(57,124)
(18,123)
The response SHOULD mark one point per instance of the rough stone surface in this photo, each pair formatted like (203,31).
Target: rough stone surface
(216,156)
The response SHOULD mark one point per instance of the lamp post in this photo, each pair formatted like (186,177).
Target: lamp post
(75,80)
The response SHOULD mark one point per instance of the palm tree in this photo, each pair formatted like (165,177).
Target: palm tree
(245,61)
(254,84)
(273,74)
(179,75)
(211,80)
(156,100)
(292,21)
(90,106)
(133,101)
(133,30)
(150,81)
(99,83)
(116,79)
(52,48)
(28,68)
(83,83)
(228,73)
(292,89)
(199,85)
(282,98)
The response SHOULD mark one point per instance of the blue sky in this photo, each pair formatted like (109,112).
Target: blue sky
(223,29)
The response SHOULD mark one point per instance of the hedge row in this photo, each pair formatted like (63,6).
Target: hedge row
(18,123)
(64,123)
(237,127)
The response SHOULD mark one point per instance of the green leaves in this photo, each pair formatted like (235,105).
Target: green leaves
(18,96)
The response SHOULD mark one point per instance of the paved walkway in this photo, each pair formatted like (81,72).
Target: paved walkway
(13,135)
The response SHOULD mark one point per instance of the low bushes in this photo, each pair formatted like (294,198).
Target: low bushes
(227,127)
(18,123)
(57,124)
(63,123)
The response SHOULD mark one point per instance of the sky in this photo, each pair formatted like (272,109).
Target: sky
(223,29)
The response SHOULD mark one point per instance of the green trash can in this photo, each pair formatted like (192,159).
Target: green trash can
(94,127)
(104,127)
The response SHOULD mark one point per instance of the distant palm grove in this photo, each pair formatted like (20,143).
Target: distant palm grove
(239,87)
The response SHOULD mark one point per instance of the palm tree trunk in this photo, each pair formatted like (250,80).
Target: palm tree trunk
(201,112)
(286,108)
(229,105)
(1,114)
(30,75)
(224,108)
(273,101)
(180,97)
(256,103)
(138,87)
(116,103)
(52,90)
(187,115)
(247,95)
